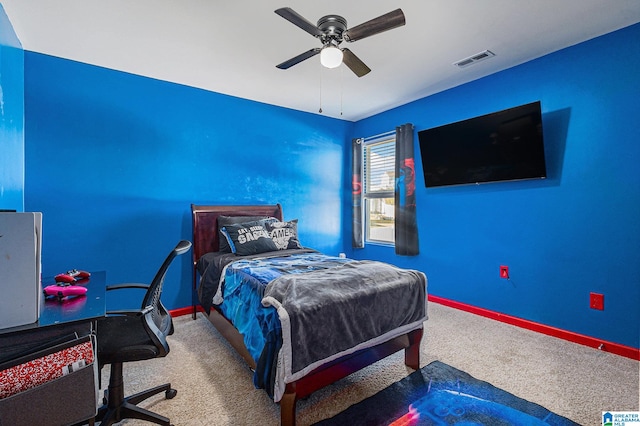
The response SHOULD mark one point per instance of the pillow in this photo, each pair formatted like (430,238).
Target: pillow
(248,238)
(284,234)
(223,245)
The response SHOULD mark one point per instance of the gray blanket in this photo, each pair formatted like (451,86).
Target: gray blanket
(333,312)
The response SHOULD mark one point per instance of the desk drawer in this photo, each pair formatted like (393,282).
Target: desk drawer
(62,401)
(51,385)
(22,342)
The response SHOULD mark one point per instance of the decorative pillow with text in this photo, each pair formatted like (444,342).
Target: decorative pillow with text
(284,234)
(248,238)
(234,220)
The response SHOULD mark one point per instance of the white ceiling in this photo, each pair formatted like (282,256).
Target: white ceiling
(232,47)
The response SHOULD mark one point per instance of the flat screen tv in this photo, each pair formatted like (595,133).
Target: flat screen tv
(501,146)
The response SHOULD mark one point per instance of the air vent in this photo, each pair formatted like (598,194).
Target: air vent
(463,63)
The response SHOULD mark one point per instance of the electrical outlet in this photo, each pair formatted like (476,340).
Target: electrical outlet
(504,272)
(596,301)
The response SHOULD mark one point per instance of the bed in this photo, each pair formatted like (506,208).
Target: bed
(276,354)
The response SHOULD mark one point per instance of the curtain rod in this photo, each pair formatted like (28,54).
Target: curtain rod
(381,135)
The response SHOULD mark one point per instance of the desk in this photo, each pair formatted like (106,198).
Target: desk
(58,319)
(90,307)
(84,308)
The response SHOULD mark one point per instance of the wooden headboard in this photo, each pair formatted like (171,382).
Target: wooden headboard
(205,231)
(205,223)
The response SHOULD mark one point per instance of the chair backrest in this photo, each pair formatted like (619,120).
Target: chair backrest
(157,318)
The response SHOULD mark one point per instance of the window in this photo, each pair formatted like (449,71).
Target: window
(378,161)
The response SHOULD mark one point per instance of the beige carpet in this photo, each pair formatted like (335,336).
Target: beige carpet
(215,386)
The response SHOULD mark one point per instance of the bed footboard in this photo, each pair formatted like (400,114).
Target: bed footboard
(412,352)
(342,367)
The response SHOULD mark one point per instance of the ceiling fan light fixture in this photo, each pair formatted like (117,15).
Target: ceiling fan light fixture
(332,30)
(331,56)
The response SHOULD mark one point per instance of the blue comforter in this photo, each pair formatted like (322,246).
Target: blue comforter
(243,288)
(289,306)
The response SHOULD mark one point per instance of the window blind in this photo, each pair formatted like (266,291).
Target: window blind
(379,167)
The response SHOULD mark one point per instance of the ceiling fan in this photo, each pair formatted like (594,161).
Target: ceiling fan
(332,30)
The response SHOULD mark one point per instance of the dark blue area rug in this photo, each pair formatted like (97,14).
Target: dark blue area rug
(439,394)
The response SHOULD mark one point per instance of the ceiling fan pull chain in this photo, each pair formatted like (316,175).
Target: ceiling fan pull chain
(320,110)
(341,88)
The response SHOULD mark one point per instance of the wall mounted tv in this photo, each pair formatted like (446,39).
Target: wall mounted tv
(501,146)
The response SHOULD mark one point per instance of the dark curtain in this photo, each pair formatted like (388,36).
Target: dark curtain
(406,230)
(357,240)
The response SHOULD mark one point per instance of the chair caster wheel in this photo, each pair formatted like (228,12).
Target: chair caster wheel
(171,393)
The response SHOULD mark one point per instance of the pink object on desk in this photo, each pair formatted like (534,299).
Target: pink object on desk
(62,291)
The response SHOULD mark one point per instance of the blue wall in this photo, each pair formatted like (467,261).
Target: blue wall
(11,117)
(114,161)
(576,232)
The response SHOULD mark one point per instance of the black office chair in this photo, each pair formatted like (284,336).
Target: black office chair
(125,336)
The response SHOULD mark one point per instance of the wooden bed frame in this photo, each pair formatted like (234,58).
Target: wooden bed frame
(205,240)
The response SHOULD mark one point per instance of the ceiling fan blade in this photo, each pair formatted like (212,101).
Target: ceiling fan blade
(375,26)
(354,63)
(296,19)
(297,59)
